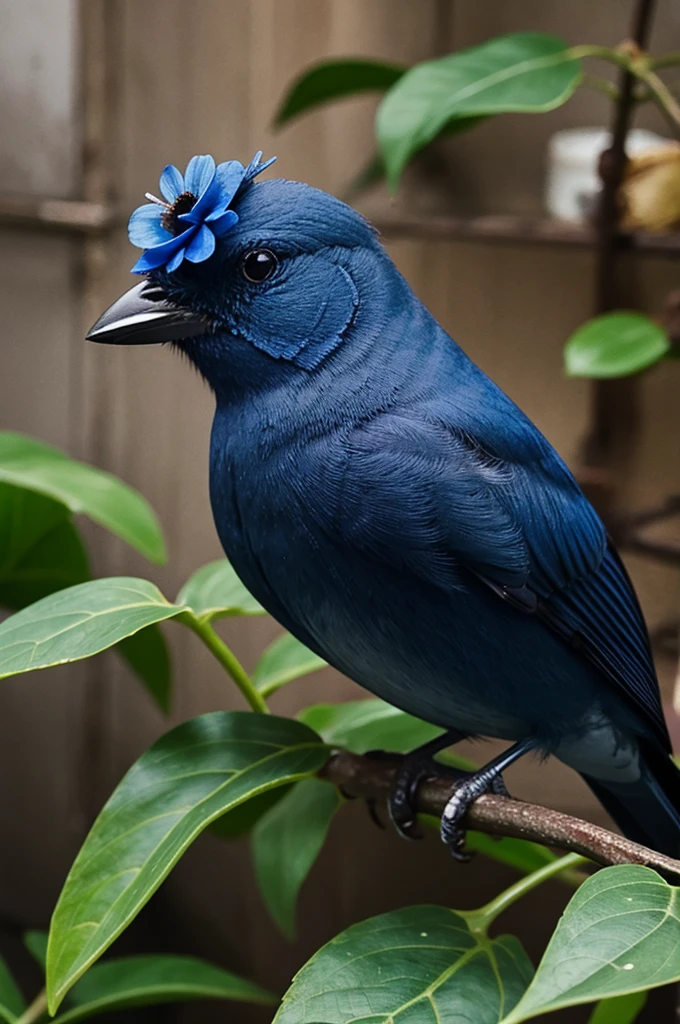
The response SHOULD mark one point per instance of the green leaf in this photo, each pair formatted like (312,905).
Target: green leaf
(79,622)
(41,552)
(615,345)
(147,654)
(243,819)
(36,944)
(420,965)
(12,1003)
(283,661)
(619,1010)
(186,780)
(215,591)
(56,561)
(527,72)
(286,843)
(620,933)
(361,725)
(143,980)
(516,853)
(335,80)
(27,463)
(25,518)
(374,170)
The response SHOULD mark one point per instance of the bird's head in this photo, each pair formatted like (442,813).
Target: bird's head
(242,273)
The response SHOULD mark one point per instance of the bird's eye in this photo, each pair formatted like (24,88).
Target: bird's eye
(258,265)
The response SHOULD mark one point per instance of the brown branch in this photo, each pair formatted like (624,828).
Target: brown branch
(370,778)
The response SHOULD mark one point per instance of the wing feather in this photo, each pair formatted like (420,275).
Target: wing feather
(440,500)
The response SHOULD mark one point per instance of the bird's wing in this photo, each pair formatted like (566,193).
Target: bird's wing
(442,501)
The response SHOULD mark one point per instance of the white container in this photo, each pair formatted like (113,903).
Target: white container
(572,181)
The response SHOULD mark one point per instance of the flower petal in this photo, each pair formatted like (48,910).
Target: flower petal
(145,228)
(199,173)
(176,260)
(210,199)
(223,222)
(159,255)
(255,167)
(230,174)
(202,246)
(172,183)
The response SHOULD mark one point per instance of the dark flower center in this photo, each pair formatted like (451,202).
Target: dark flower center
(170,217)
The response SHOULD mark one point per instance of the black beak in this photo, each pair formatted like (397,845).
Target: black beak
(143,316)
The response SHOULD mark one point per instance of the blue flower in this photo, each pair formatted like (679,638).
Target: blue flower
(194,213)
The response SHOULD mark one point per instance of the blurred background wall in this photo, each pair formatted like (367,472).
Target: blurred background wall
(95,98)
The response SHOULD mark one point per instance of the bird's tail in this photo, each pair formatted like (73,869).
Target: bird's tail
(648,810)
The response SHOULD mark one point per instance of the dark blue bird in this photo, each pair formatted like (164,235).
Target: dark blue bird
(390,505)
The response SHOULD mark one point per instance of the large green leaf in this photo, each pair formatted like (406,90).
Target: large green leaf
(41,552)
(620,933)
(40,549)
(147,654)
(619,1009)
(79,622)
(142,980)
(287,841)
(243,819)
(215,591)
(527,72)
(25,517)
(334,80)
(25,462)
(12,1003)
(361,725)
(420,965)
(56,561)
(615,345)
(180,785)
(283,661)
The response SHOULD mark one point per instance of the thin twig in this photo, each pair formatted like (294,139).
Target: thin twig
(601,85)
(371,778)
(665,60)
(35,1011)
(659,92)
(227,659)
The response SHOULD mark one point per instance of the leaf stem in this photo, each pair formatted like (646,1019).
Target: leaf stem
(659,92)
(622,60)
(35,1011)
(637,63)
(227,659)
(666,60)
(601,85)
(480,920)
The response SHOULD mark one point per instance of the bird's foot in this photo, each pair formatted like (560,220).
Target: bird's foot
(465,792)
(413,768)
(402,801)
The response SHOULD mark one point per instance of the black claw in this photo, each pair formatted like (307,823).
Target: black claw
(413,769)
(370,803)
(464,793)
(498,787)
(372,808)
(404,794)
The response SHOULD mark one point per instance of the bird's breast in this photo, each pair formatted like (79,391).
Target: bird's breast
(459,658)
